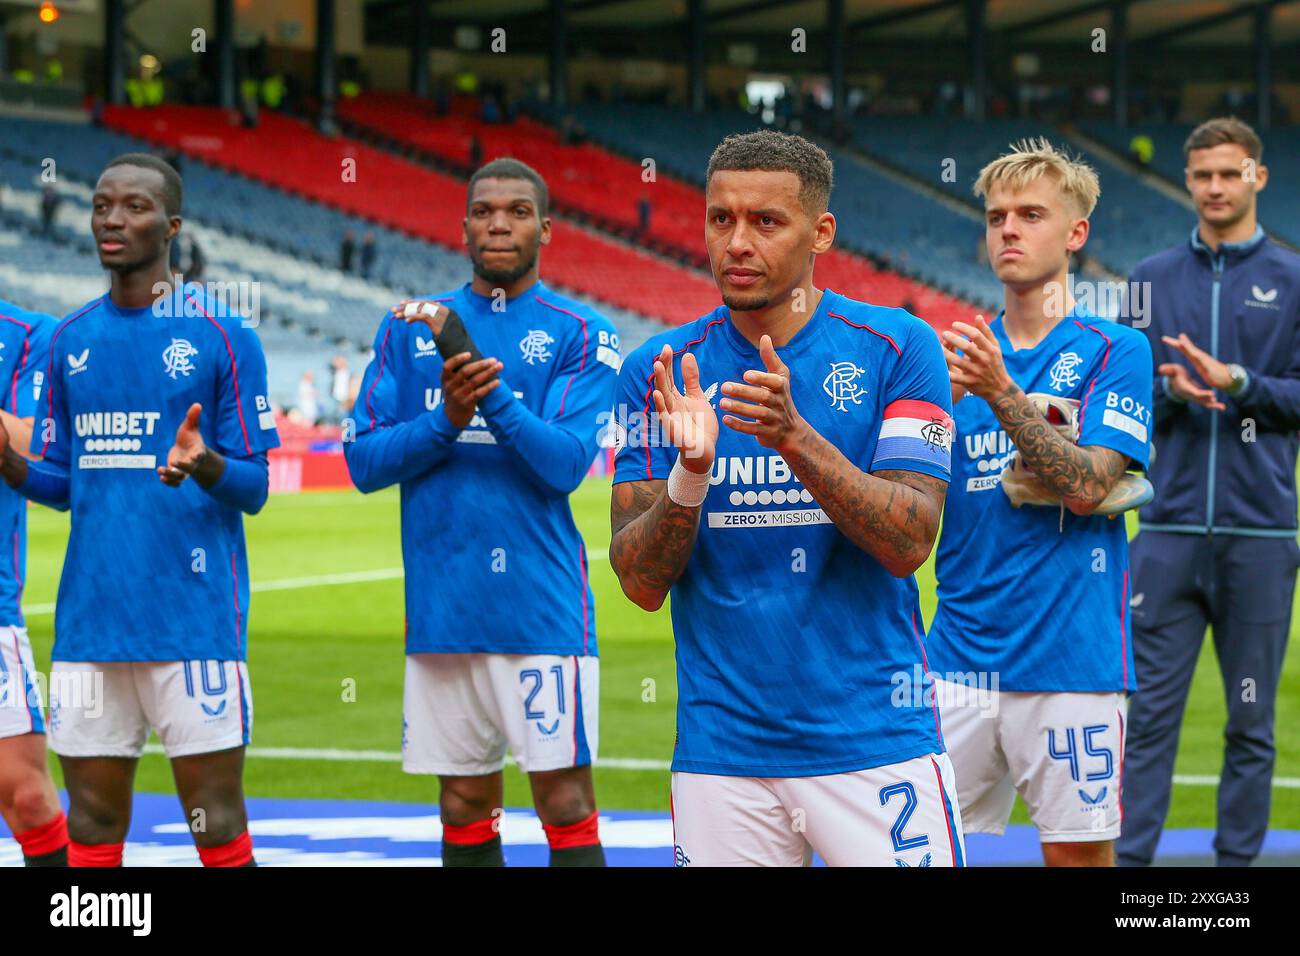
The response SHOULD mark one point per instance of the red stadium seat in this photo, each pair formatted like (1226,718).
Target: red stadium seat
(606,187)
(403,195)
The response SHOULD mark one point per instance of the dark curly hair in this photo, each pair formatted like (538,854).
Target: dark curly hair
(767,149)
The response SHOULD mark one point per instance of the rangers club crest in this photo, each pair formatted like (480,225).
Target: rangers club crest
(936,435)
(176,357)
(533,346)
(842,385)
(1063,373)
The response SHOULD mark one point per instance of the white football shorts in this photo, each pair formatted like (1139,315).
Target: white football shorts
(1062,752)
(20,691)
(903,815)
(106,709)
(459,711)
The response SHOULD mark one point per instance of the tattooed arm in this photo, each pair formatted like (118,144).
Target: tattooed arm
(653,539)
(891,515)
(653,536)
(1081,476)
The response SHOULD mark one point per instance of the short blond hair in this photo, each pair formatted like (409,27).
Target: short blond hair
(1030,159)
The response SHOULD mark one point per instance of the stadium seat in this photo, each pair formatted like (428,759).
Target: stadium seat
(401,195)
(1279,204)
(264,228)
(604,187)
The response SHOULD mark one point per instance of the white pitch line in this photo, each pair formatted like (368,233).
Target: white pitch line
(392,756)
(385,756)
(312,581)
(319,580)
(610,763)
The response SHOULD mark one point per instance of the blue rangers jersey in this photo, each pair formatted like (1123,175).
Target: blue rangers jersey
(494,562)
(1033,594)
(791,640)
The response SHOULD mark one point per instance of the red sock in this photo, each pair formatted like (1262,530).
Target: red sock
(472,834)
(45,838)
(583,833)
(238,852)
(94,854)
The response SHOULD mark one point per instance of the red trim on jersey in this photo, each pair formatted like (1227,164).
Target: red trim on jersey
(17,577)
(650,389)
(94,854)
(46,838)
(1083,406)
(10,318)
(577,693)
(858,325)
(22,363)
(583,833)
(27,348)
(582,566)
(1123,632)
(234,370)
(234,586)
(938,733)
(49,371)
(943,802)
(583,364)
(379,372)
(238,852)
(471,834)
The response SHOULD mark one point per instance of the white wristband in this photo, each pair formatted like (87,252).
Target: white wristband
(686,488)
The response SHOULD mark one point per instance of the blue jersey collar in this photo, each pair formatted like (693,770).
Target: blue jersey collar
(999,328)
(114,309)
(537,288)
(801,338)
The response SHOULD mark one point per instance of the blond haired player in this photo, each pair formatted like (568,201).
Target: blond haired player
(1052,406)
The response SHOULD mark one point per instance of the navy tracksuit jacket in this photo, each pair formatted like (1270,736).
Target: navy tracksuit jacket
(1217,546)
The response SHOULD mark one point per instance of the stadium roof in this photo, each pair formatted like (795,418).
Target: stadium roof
(1175,22)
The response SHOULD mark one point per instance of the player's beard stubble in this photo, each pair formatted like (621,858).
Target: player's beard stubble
(746,303)
(501,277)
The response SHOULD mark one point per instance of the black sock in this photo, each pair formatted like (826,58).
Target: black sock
(487,853)
(592,855)
(57,857)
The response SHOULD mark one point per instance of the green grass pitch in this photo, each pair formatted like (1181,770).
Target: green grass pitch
(310,644)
